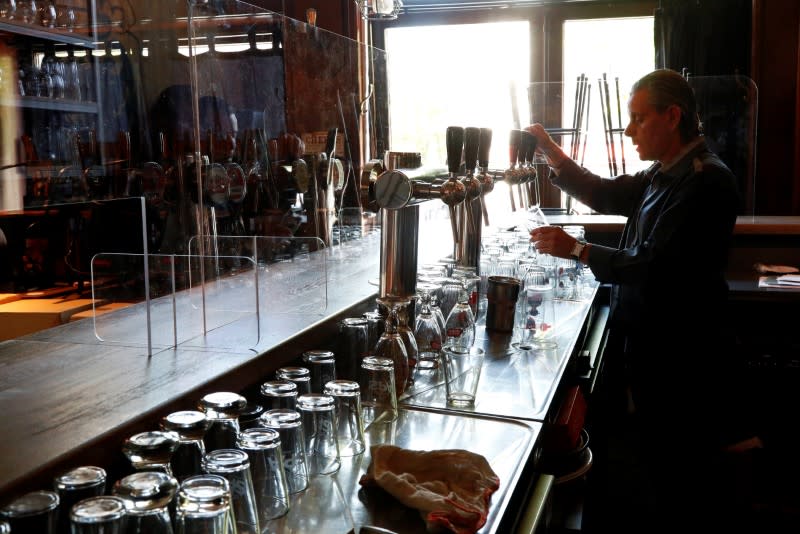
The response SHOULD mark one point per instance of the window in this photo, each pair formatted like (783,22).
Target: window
(623,50)
(454,75)
(465,75)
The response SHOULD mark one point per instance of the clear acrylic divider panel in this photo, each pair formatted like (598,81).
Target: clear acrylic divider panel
(728,109)
(588,118)
(180,310)
(292,272)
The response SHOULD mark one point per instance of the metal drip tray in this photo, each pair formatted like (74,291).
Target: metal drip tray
(338,503)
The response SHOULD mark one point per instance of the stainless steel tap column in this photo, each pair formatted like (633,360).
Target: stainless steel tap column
(453,191)
(398,197)
(468,246)
(399,239)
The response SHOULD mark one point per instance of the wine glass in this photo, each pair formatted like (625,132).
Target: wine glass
(427,331)
(535,315)
(406,333)
(436,297)
(460,324)
(391,345)
(534,217)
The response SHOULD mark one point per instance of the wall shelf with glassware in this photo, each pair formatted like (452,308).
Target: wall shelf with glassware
(50,34)
(40,102)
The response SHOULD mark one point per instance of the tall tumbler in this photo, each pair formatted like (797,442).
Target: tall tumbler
(501,294)
(318,412)
(289,426)
(248,417)
(263,447)
(102,514)
(151,451)
(349,427)
(279,394)
(222,408)
(234,466)
(378,392)
(204,506)
(322,365)
(36,511)
(147,496)
(353,345)
(191,427)
(75,485)
(375,326)
(301,376)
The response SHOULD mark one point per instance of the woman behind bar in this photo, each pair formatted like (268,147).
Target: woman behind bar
(665,385)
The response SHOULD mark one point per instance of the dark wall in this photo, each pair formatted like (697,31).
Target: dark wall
(776,52)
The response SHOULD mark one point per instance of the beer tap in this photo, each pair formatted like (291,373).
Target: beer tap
(468,246)
(474,187)
(523,169)
(531,182)
(453,191)
(511,175)
(486,179)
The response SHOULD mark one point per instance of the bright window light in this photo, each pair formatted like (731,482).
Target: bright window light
(454,75)
(623,50)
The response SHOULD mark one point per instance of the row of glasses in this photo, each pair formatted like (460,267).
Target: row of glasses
(244,486)
(210,442)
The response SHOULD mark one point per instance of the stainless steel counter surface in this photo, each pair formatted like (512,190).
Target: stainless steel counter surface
(513,383)
(336,503)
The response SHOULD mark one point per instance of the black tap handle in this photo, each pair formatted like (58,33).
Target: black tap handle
(471,140)
(529,146)
(514,139)
(455,144)
(484,144)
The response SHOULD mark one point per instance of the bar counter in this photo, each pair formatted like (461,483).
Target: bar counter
(71,399)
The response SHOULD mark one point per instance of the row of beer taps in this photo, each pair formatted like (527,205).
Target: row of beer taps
(468,180)
(521,173)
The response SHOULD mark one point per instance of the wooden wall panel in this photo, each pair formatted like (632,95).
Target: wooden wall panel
(775,72)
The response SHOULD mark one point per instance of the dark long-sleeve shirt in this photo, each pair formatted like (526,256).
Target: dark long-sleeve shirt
(670,263)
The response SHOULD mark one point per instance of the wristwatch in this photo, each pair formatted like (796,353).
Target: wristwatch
(577,249)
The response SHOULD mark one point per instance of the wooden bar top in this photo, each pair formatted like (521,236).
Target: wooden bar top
(70,399)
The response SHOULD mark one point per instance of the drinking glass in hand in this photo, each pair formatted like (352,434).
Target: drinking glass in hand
(534,218)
